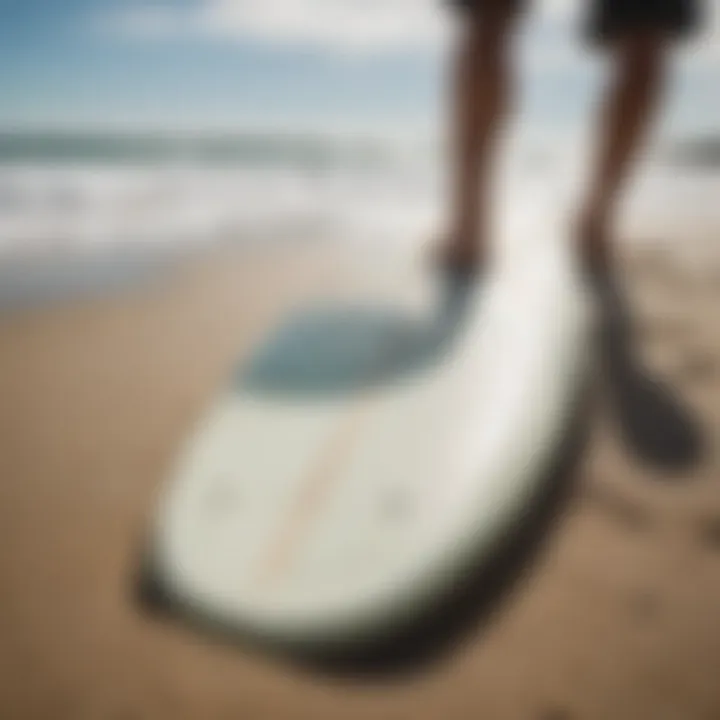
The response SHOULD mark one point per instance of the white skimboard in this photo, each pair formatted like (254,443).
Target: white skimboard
(364,459)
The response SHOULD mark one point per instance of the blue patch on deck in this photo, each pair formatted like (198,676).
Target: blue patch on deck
(342,350)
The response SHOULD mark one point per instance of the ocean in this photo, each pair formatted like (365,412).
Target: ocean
(83,191)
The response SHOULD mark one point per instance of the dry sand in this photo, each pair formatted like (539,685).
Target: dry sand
(618,618)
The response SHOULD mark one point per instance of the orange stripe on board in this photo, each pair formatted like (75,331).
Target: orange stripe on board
(315,489)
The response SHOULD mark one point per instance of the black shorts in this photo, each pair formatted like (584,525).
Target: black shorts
(610,19)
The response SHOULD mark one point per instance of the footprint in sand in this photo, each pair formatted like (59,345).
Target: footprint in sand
(709,531)
(620,509)
(556,714)
(644,605)
(698,365)
(712,278)
(663,328)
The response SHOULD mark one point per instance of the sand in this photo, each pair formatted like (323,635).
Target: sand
(616,618)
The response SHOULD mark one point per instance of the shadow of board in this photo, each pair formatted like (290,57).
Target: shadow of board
(337,351)
(654,423)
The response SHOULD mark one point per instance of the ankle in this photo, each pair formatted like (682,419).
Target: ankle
(593,239)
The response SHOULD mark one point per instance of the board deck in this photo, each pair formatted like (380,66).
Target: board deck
(367,455)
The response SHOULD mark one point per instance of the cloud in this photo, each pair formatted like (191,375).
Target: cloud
(367,26)
(370,24)
(342,25)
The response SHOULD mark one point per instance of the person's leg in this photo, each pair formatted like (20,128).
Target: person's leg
(629,108)
(639,34)
(481,90)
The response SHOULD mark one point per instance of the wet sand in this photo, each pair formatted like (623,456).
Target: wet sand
(617,617)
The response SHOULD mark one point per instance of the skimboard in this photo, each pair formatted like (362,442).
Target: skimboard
(366,456)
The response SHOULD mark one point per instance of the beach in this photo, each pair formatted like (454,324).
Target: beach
(616,617)
(187,187)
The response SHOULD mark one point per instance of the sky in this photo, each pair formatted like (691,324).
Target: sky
(209,63)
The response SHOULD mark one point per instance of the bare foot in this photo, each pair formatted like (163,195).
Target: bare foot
(594,244)
(458,254)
